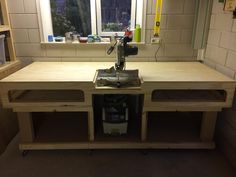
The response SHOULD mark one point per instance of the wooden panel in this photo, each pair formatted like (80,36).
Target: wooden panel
(120,145)
(26,127)
(4,28)
(46,96)
(188,95)
(7,27)
(208,126)
(8,127)
(149,71)
(62,127)
(9,68)
(144,126)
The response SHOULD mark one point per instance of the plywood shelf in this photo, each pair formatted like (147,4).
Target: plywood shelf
(188,95)
(27,96)
(60,127)
(174,127)
(4,28)
(9,67)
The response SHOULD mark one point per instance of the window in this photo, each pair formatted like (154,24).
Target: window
(102,17)
(71,15)
(115,16)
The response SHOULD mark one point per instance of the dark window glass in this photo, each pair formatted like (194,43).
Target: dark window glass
(71,16)
(116,15)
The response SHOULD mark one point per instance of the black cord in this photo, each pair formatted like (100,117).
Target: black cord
(110,50)
(157,51)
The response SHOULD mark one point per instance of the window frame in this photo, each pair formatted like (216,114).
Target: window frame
(119,33)
(45,19)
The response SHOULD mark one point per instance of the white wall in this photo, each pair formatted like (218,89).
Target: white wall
(221,55)
(176,31)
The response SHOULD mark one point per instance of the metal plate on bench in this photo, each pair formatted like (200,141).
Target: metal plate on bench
(118,79)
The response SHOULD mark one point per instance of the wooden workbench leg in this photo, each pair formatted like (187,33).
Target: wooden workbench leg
(26,126)
(144,126)
(208,126)
(91,125)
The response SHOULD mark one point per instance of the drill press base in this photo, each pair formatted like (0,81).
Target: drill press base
(115,78)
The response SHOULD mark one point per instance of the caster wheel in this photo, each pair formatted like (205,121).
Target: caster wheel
(24,153)
(90,152)
(144,152)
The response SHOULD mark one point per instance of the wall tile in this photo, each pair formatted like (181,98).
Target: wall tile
(234,26)
(53,51)
(61,51)
(228,40)
(189,6)
(148,51)
(78,59)
(103,60)
(186,36)
(150,22)
(227,71)
(170,36)
(231,60)
(223,22)
(173,7)
(212,22)
(28,50)
(170,6)
(46,59)
(34,35)
(15,6)
(30,6)
(153,7)
(214,37)
(178,50)
(88,51)
(217,7)
(210,63)
(216,54)
(149,6)
(25,61)
(163,22)
(24,21)
(149,34)
(180,22)
(20,35)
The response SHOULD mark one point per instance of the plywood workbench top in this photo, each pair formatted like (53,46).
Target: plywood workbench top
(85,71)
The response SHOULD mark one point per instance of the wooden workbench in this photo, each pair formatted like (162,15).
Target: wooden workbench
(69,87)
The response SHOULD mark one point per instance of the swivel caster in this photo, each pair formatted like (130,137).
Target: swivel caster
(144,152)
(24,153)
(90,152)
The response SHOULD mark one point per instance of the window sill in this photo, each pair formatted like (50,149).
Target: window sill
(86,44)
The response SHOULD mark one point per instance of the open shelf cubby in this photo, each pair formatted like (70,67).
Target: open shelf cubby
(188,95)
(174,127)
(60,126)
(134,104)
(46,96)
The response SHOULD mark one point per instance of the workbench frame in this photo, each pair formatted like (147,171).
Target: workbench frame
(25,109)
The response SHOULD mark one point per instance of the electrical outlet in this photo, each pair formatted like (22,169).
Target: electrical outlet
(155,40)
